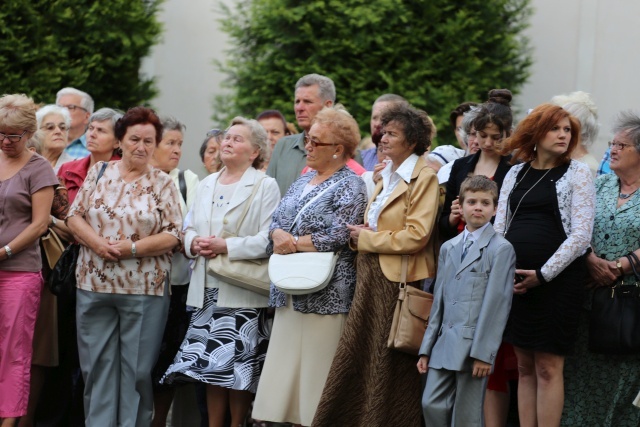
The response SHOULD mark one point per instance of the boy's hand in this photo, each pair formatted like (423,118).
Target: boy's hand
(423,364)
(481,369)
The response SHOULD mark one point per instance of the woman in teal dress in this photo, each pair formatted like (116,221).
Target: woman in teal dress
(600,388)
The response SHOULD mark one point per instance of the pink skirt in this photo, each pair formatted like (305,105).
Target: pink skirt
(19,300)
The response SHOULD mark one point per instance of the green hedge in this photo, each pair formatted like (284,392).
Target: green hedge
(435,53)
(95,46)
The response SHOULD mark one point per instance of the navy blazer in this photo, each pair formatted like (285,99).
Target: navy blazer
(471,302)
(461,170)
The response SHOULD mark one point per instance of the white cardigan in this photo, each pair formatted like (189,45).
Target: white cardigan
(255,228)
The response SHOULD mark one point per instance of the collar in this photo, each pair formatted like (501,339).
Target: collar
(475,235)
(404,171)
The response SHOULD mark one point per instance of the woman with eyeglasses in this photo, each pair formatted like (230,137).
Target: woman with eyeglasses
(54,123)
(226,341)
(210,150)
(545,210)
(307,328)
(600,388)
(27,185)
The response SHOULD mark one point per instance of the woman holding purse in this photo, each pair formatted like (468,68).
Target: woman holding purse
(226,342)
(306,328)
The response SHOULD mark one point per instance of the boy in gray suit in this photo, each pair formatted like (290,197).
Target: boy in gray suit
(473,290)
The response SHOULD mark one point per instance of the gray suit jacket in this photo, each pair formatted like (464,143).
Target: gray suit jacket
(471,302)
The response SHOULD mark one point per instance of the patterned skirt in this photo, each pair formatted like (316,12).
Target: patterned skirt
(223,346)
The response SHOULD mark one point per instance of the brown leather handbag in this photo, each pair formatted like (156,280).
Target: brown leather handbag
(411,316)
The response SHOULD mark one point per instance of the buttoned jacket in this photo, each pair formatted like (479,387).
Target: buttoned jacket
(471,302)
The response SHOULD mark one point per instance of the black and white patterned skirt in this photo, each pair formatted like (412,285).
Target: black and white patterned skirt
(223,346)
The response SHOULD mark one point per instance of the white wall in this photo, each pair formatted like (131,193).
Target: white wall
(588,45)
(585,45)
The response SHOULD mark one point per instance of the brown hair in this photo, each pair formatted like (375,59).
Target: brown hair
(478,183)
(138,116)
(533,129)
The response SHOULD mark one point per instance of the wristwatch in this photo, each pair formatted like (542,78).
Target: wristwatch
(619,266)
(133,249)
(296,239)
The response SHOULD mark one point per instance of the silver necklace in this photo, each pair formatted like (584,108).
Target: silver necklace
(522,198)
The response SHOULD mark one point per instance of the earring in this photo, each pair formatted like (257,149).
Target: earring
(535,147)
(335,156)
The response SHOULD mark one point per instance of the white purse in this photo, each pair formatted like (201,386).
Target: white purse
(303,272)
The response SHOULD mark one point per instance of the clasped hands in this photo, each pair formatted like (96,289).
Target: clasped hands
(355,231)
(283,242)
(208,246)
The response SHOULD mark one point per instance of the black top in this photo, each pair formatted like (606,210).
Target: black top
(459,171)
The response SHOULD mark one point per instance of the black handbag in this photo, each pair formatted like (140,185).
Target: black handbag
(614,320)
(62,280)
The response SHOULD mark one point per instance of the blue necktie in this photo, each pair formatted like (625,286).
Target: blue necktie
(467,244)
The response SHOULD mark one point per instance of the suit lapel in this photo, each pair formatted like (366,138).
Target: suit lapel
(476,249)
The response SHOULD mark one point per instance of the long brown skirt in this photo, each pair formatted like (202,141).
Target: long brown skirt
(369,384)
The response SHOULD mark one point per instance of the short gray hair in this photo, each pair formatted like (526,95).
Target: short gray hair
(580,105)
(327,90)
(105,114)
(53,109)
(257,137)
(629,123)
(467,122)
(171,123)
(87,100)
(391,97)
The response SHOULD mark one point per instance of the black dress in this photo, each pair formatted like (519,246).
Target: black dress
(545,317)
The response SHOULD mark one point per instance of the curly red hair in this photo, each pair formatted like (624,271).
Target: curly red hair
(533,128)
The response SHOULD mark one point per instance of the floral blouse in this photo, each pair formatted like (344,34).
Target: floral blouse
(576,204)
(119,210)
(326,220)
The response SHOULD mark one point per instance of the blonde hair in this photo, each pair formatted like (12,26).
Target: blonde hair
(18,111)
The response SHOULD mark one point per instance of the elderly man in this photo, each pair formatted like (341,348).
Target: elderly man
(313,92)
(369,156)
(80,106)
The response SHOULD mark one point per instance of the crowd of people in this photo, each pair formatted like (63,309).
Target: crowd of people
(514,232)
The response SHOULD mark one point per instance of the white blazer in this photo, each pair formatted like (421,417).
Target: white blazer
(255,228)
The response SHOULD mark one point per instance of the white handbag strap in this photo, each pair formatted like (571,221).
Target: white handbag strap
(247,204)
(317,196)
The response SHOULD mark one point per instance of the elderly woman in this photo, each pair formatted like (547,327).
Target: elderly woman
(127,218)
(54,122)
(26,195)
(306,328)
(227,338)
(546,212)
(600,388)
(370,384)
(166,157)
(102,144)
(210,150)
(580,105)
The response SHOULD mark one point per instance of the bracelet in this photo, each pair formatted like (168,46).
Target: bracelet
(7,249)
(133,249)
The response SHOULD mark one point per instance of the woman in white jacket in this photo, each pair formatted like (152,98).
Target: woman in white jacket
(226,342)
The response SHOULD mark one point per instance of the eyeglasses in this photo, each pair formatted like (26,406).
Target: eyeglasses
(618,145)
(51,126)
(73,107)
(11,138)
(314,142)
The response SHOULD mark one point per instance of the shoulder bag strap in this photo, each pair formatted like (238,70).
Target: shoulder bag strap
(247,204)
(183,186)
(317,196)
(104,166)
